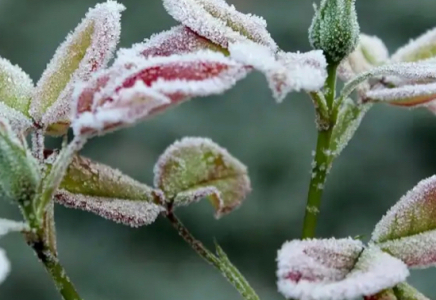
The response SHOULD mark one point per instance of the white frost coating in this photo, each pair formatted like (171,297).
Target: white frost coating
(408,94)
(416,251)
(219,22)
(127,212)
(195,195)
(16,119)
(335,270)
(7,226)
(414,213)
(16,87)
(179,39)
(285,72)
(104,21)
(423,47)
(5,266)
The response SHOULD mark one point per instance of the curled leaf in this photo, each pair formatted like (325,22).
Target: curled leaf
(136,88)
(422,48)
(193,168)
(335,270)
(219,22)
(87,49)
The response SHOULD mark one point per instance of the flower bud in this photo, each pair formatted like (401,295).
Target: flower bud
(335,29)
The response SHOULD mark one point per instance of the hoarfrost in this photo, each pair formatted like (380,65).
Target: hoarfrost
(87,49)
(219,22)
(414,213)
(335,270)
(7,226)
(5,266)
(422,48)
(18,121)
(127,212)
(407,95)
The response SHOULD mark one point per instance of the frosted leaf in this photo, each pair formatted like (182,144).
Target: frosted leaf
(127,212)
(7,226)
(285,72)
(19,171)
(196,167)
(422,48)
(5,266)
(407,95)
(156,83)
(415,213)
(177,40)
(335,270)
(370,52)
(219,22)
(91,178)
(87,49)
(383,295)
(404,291)
(16,87)
(18,121)
(418,251)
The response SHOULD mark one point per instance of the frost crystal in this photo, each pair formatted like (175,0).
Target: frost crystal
(285,72)
(219,22)
(5,266)
(335,270)
(407,95)
(127,212)
(85,51)
(177,40)
(415,213)
(422,48)
(196,167)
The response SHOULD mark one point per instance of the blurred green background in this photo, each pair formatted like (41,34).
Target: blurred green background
(391,152)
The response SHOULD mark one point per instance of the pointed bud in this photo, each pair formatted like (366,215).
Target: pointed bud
(19,171)
(195,168)
(107,192)
(335,29)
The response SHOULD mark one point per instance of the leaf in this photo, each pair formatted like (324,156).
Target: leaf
(383,295)
(422,48)
(87,49)
(284,71)
(335,270)
(19,171)
(107,192)
(178,40)
(127,212)
(136,88)
(197,167)
(404,291)
(5,266)
(219,22)
(407,95)
(7,226)
(408,230)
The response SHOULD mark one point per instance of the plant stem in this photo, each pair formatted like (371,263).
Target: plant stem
(321,166)
(228,270)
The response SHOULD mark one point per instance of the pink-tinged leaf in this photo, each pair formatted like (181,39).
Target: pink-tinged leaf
(335,270)
(194,168)
(87,49)
(127,212)
(369,53)
(422,48)
(285,72)
(5,266)
(177,40)
(219,22)
(135,87)
(407,95)
(414,214)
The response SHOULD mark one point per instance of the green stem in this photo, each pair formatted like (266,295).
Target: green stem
(321,165)
(229,271)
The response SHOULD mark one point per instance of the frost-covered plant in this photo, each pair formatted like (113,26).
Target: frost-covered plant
(208,53)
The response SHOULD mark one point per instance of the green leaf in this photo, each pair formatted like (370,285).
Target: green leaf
(383,295)
(421,48)
(404,291)
(19,171)
(193,168)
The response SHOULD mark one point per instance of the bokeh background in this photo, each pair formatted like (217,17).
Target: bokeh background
(391,152)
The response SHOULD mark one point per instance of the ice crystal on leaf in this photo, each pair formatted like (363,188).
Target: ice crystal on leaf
(408,230)
(220,22)
(105,191)
(87,49)
(422,48)
(284,71)
(193,168)
(335,270)
(128,212)
(135,87)
(404,291)
(406,95)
